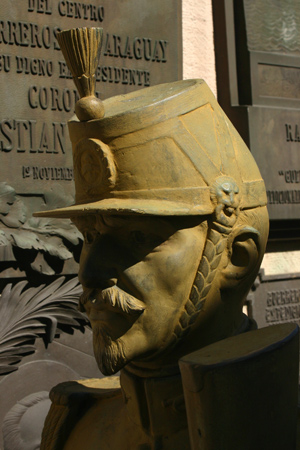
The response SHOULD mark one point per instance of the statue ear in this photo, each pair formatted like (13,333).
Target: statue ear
(243,254)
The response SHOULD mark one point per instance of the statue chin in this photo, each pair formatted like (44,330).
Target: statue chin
(109,354)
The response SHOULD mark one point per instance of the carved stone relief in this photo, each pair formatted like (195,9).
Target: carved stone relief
(42,333)
(29,245)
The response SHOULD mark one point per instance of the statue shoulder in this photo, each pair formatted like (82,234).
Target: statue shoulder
(70,402)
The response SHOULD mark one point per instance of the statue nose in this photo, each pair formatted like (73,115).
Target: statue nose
(101,279)
(98,264)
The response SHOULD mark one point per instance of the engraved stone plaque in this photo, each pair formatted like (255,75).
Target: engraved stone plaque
(141,47)
(275,144)
(258,76)
(275,297)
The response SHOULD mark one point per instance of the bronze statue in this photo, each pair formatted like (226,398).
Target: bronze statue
(173,211)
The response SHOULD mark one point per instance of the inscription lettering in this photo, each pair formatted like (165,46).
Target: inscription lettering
(48,173)
(53,98)
(6,143)
(40,6)
(26,34)
(283,297)
(34,66)
(39,92)
(283,305)
(290,176)
(138,48)
(283,314)
(283,197)
(292,133)
(5,63)
(64,71)
(78,10)
(112,74)
(123,75)
(29,136)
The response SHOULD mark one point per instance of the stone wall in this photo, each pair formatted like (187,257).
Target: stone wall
(198,44)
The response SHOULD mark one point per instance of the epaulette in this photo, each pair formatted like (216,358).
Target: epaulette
(70,401)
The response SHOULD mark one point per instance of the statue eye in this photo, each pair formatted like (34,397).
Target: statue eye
(89,236)
(138,237)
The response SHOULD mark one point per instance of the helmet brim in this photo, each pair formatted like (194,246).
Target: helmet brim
(128,207)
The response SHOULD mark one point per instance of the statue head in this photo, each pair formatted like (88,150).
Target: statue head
(172,208)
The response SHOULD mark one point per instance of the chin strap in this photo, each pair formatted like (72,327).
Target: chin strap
(225,196)
(70,402)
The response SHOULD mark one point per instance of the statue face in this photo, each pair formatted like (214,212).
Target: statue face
(137,273)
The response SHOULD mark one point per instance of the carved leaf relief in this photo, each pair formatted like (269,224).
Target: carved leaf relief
(35,312)
(47,237)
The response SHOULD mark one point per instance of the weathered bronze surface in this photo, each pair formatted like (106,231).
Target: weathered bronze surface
(258,71)
(141,47)
(242,392)
(172,208)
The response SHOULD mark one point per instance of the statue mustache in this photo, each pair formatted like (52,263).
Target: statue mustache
(113,296)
